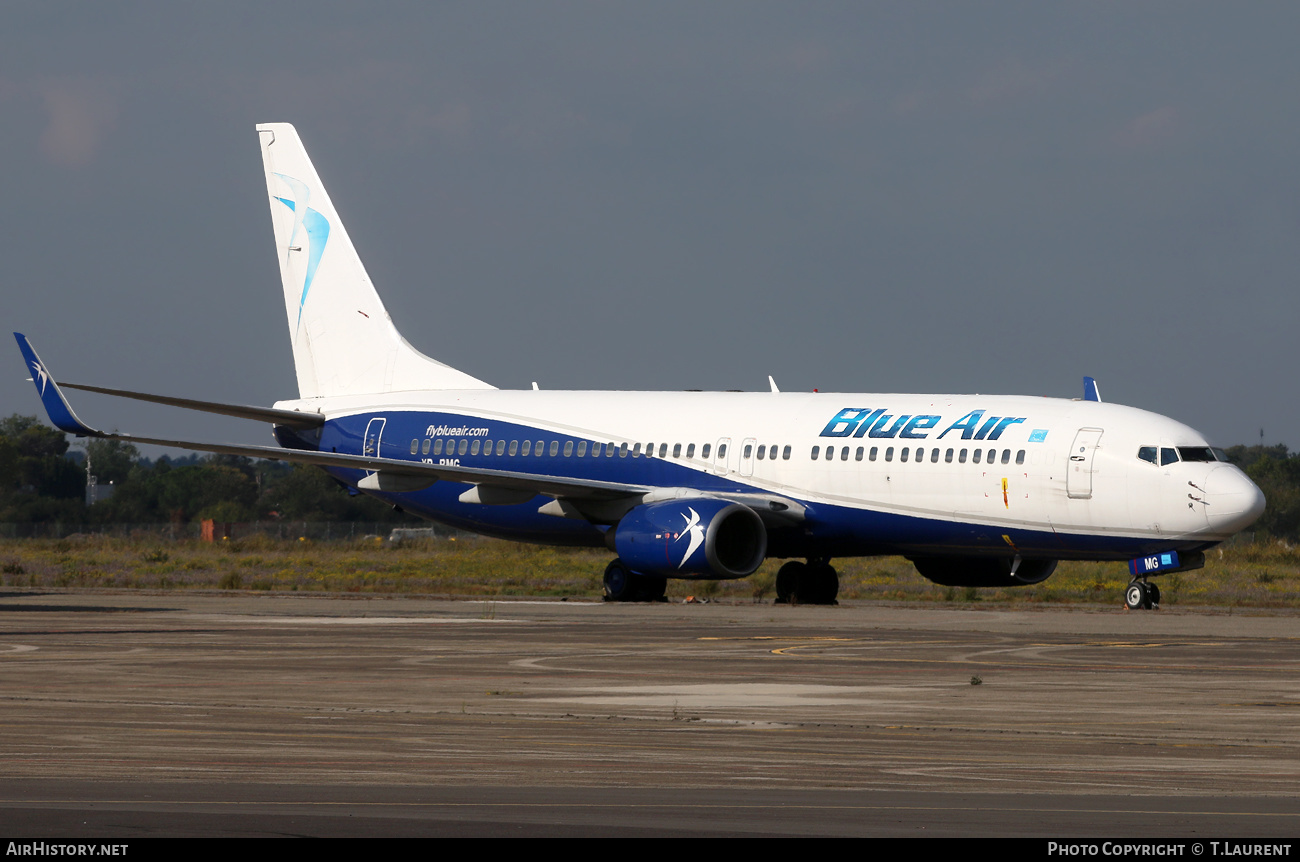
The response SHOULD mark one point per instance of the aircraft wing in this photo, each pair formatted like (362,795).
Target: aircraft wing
(291,418)
(390,473)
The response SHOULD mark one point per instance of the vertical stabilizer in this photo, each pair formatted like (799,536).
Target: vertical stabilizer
(344,342)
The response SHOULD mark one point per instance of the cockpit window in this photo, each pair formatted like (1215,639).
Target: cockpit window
(1196,453)
(1147,453)
(1168,456)
(1220,454)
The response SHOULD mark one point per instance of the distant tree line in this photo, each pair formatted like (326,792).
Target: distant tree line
(43,479)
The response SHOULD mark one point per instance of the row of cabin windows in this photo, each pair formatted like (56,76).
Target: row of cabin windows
(919,454)
(580,449)
(527,447)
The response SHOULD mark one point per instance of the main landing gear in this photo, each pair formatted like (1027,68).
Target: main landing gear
(624,585)
(1141,595)
(811,583)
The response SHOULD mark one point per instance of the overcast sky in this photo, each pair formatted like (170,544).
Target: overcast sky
(863,197)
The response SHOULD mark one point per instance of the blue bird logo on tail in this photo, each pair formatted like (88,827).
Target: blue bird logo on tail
(318,233)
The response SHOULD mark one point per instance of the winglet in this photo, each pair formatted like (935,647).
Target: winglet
(1090,392)
(772,383)
(56,405)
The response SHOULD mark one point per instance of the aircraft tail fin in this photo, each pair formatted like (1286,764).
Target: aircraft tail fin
(344,342)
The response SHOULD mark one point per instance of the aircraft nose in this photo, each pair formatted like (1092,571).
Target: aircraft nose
(1235,501)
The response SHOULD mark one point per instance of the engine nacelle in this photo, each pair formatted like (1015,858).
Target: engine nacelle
(983,571)
(698,536)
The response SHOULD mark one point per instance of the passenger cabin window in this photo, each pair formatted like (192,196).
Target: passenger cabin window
(785,454)
(722,450)
(514,447)
(425,447)
(690,451)
(609,450)
(415,446)
(816,452)
(473,450)
(975,458)
(902,456)
(622,451)
(437,447)
(934,456)
(568,448)
(704,452)
(538,447)
(857,456)
(1168,456)
(874,450)
(636,451)
(748,451)
(844,454)
(1147,453)
(830,453)
(947,457)
(463,446)
(889,453)
(1020,457)
(582,448)
(677,450)
(663,449)
(528,448)
(961,457)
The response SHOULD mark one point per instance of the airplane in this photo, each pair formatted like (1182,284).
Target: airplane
(975,490)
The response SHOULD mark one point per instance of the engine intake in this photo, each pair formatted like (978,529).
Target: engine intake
(698,536)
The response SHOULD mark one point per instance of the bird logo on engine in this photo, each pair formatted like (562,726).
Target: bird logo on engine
(697,535)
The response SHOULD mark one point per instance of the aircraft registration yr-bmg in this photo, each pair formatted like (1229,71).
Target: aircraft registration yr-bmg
(981,491)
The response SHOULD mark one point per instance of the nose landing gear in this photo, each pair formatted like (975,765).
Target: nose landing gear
(1141,595)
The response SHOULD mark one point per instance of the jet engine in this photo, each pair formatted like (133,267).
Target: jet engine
(692,537)
(983,571)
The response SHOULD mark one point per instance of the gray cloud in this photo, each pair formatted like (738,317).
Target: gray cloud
(79,113)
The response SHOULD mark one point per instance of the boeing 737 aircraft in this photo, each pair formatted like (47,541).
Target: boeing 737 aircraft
(975,490)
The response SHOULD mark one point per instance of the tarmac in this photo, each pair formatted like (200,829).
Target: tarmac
(130,714)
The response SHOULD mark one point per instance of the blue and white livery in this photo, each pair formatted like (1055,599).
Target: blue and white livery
(976,490)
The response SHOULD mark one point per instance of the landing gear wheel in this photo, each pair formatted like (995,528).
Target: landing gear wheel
(1153,596)
(651,589)
(620,584)
(624,585)
(787,581)
(1136,596)
(819,585)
